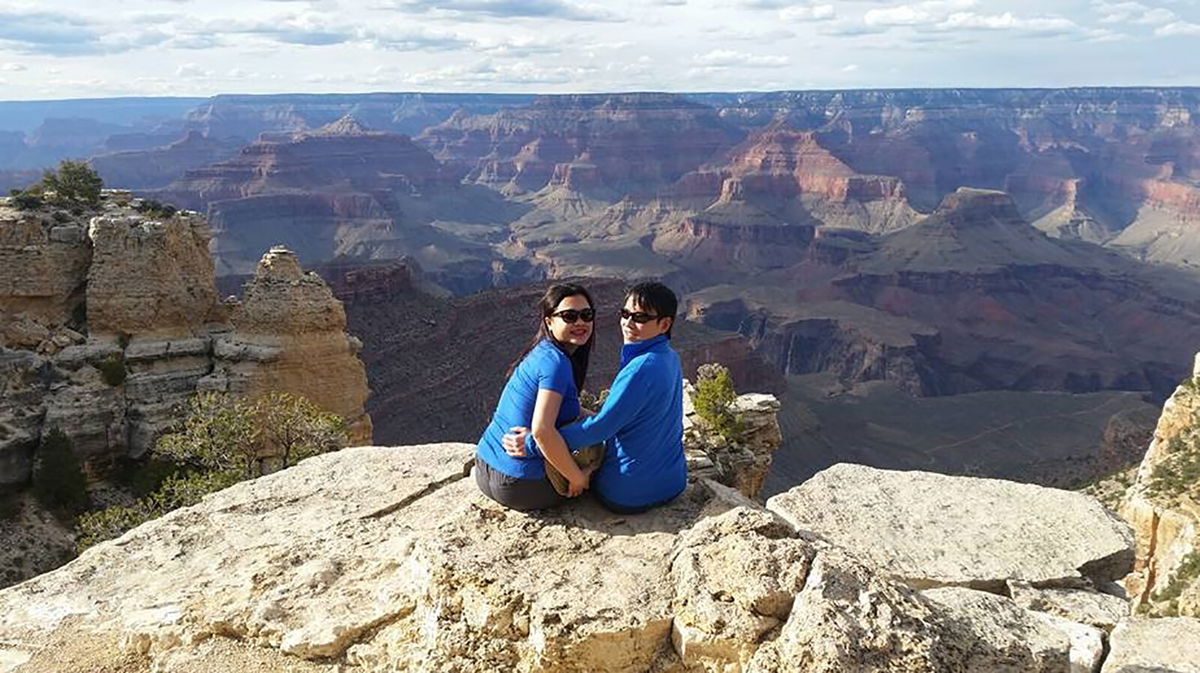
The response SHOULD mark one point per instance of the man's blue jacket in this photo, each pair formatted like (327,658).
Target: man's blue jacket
(641,424)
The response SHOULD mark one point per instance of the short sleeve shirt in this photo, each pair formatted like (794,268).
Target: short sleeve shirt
(544,368)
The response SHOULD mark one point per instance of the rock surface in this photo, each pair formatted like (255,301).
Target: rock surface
(1164,509)
(111,321)
(1169,645)
(933,530)
(386,559)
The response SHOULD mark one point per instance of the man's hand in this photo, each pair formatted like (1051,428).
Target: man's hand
(514,441)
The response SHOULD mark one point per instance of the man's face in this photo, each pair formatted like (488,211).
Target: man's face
(634,331)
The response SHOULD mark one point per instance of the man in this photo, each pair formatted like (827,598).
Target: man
(641,422)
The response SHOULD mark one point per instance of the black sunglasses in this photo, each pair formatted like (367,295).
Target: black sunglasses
(639,317)
(570,315)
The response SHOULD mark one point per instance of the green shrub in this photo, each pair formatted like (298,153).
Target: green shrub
(74,184)
(713,401)
(591,401)
(112,369)
(222,440)
(27,199)
(58,479)
(155,209)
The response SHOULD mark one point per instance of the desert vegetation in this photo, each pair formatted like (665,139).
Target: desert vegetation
(221,441)
(73,185)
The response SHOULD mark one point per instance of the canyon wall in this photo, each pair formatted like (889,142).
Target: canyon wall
(111,322)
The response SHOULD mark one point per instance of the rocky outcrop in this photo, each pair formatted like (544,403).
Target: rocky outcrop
(789,174)
(741,463)
(390,559)
(934,530)
(1163,506)
(959,302)
(111,323)
(631,143)
(1155,645)
(158,166)
(288,321)
(341,190)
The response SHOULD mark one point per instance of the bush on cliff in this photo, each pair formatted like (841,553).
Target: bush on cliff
(112,370)
(26,199)
(1178,475)
(222,440)
(58,480)
(73,184)
(713,401)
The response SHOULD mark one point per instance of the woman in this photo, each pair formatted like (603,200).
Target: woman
(542,393)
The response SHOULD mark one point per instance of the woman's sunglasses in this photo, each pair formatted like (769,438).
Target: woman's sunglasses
(639,317)
(570,315)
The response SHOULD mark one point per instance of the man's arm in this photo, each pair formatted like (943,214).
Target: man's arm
(629,393)
(626,398)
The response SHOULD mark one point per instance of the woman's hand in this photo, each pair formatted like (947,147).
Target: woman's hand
(514,441)
(576,488)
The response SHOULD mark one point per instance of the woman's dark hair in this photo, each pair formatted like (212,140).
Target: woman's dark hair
(546,305)
(656,297)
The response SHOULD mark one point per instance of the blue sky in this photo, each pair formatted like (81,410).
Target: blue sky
(59,49)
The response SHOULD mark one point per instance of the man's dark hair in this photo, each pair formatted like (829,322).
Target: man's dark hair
(656,297)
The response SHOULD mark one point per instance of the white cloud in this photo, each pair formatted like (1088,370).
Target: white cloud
(724,58)
(1133,12)
(925,13)
(13,67)
(1006,21)
(850,68)
(192,71)
(808,13)
(1178,28)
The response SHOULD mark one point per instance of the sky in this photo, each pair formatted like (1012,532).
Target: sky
(100,48)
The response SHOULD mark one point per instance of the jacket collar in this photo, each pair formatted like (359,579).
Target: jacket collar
(631,351)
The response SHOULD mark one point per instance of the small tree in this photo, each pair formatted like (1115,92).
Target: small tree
(73,184)
(713,401)
(222,440)
(293,428)
(217,435)
(58,479)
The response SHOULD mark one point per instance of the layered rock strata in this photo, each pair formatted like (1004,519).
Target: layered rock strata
(1163,506)
(111,324)
(389,559)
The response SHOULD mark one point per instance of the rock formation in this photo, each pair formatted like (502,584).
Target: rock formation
(110,322)
(791,176)
(287,322)
(389,559)
(960,301)
(1164,508)
(339,190)
(158,166)
(630,143)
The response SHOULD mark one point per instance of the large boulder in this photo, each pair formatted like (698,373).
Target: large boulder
(383,559)
(933,530)
(1169,645)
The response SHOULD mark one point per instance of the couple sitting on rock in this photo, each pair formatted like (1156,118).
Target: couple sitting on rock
(631,450)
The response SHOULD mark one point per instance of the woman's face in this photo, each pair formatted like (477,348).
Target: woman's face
(571,333)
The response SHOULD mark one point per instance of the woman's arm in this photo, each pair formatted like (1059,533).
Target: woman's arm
(554,449)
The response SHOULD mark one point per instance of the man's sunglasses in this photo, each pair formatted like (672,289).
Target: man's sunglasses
(570,315)
(639,317)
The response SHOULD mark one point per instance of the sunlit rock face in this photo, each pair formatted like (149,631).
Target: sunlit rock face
(960,301)
(389,558)
(339,190)
(111,323)
(1164,507)
(629,143)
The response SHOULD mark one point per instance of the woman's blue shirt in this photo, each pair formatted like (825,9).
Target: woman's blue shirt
(544,368)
